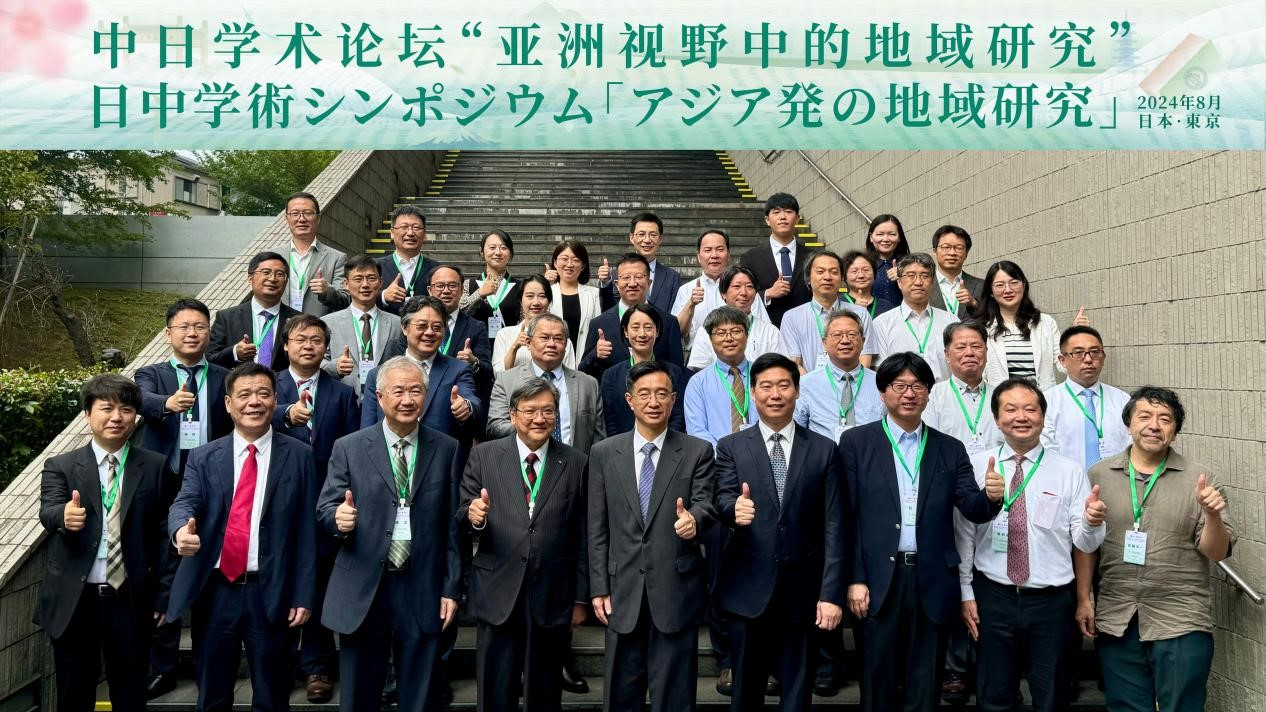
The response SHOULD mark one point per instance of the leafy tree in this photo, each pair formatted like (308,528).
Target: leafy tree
(258,182)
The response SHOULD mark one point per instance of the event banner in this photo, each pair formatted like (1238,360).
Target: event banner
(557,74)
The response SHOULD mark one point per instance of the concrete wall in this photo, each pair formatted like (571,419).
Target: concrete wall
(1164,249)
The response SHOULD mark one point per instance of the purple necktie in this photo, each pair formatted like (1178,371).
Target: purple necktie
(264,354)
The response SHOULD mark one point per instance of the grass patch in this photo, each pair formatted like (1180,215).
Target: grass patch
(125,319)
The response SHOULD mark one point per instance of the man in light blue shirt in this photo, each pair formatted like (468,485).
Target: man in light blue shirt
(840,393)
(1083,422)
(719,397)
(804,327)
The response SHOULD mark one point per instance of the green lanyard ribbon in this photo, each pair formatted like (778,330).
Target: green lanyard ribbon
(923,345)
(534,487)
(494,300)
(201,381)
(873,302)
(395,471)
(302,278)
(408,288)
(263,333)
(857,389)
(373,332)
(1089,415)
(747,390)
(1007,501)
(980,407)
(918,459)
(108,498)
(1134,492)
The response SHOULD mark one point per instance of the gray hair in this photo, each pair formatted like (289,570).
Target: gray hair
(532,388)
(841,313)
(722,316)
(547,316)
(921,259)
(401,362)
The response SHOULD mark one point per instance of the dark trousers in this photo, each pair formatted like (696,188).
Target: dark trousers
(102,627)
(164,648)
(770,644)
(903,651)
(1022,632)
(317,653)
(831,652)
(667,663)
(960,655)
(226,617)
(520,647)
(1138,675)
(387,631)
(718,620)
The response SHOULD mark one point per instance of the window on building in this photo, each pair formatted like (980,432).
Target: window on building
(184,190)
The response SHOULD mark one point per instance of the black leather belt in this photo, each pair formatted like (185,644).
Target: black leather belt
(908,558)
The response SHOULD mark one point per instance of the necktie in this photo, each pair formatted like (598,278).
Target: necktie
(1090,433)
(646,479)
(191,377)
(846,398)
(784,256)
(237,534)
(305,398)
(1018,529)
(739,393)
(115,575)
(398,551)
(778,463)
(264,354)
(366,337)
(558,419)
(530,471)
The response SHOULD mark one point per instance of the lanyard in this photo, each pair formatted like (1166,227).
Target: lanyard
(1134,492)
(408,288)
(1089,415)
(263,334)
(201,380)
(494,300)
(1008,501)
(747,390)
(818,318)
(373,334)
(300,269)
(108,498)
(873,302)
(918,459)
(923,345)
(395,471)
(447,342)
(980,407)
(857,389)
(534,487)
(951,301)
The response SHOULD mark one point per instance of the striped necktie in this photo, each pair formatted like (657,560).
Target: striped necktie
(398,551)
(115,575)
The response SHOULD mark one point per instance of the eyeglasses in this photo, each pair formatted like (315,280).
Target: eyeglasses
(1012,284)
(186,328)
(837,335)
(661,396)
(550,338)
(899,388)
(633,278)
(446,286)
(364,279)
(436,327)
(531,413)
(564,260)
(943,247)
(409,228)
(916,276)
(644,235)
(728,333)
(296,214)
(271,273)
(305,340)
(1081,354)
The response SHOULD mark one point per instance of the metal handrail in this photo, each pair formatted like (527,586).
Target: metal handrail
(1240,583)
(834,187)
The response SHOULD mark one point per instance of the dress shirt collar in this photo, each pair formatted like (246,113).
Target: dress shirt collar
(725,367)
(299,377)
(100,453)
(838,373)
(407,261)
(898,431)
(357,313)
(1007,452)
(411,438)
(965,389)
(541,452)
(256,308)
(1078,389)
(907,311)
(946,282)
(639,441)
(294,247)
(558,371)
(429,363)
(262,444)
(766,432)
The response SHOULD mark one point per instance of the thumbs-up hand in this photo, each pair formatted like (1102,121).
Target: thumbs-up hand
(344,365)
(964,297)
(395,292)
(245,349)
(74,514)
(459,406)
(995,487)
(467,355)
(187,540)
(1081,319)
(345,515)
(604,272)
(183,399)
(780,288)
(1096,509)
(744,507)
(551,274)
(489,287)
(892,271)
(685,524)
(299,413)
(696,294)
(603,348)
(318,283)
(477,514)
(1209,497)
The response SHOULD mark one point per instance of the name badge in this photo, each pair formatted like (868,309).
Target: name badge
(999,530)
(402,531)
(103,550)
(495,324)
(296,301)
(363,368)
(975,445)
(1135,547)
(190,434)
(1104,450)
(909,509)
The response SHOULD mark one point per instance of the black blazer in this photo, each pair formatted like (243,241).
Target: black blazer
(615,409)
(975,286)
(511,305)
(760,260)
(552,542)
(421,277)
(161,430)
(231,323)
(71,554)
(798,547)
(946,482)
(667,346)
(360,463)
(336,415)
(663,291)
(627,556)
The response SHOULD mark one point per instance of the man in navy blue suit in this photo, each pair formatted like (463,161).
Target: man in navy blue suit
(253,494)
(904,480)
(317,408)
(405,270)
(782,572)
(467,337)
(603,345)
(646,235)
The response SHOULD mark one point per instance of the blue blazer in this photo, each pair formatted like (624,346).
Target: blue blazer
(663,292)
(946,482)
(421,277)
(797,547)
(162,429)
(615,409)
(467,327)
(360,463)
(445,373)
(287,529)
(667,346)
(336,415)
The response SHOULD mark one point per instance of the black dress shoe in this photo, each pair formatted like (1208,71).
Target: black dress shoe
(389,693)
(826,684)
(160,684)
(573,681)
(772,687)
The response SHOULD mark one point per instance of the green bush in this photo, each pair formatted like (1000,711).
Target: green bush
(34,407)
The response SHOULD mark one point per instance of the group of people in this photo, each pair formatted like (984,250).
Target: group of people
(777,448)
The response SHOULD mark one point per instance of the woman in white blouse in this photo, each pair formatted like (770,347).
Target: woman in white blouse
(510,348)
(573,299)
(1023,342)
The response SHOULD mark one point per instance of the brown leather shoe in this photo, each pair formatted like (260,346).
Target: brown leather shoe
(320,689)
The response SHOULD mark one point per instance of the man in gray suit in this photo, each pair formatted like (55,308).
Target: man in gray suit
(360,333)
(650,500)
(524,502)
(956,291)
(580,423)
(316,270)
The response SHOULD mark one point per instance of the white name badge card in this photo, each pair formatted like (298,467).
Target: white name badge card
(999,531)
(495,324)
(363,368)
(909,509)
(1135,547)
(190,434)
(402,531)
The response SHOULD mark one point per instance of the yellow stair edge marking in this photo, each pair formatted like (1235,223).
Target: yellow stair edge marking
(814,244)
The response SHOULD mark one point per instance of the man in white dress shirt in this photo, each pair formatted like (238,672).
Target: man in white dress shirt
(1084,423)
(913,324)
(737,289)
(697,298)
(804,327)
(957,405)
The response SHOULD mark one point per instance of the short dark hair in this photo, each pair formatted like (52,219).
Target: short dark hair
(781,200)
(644,368)
(246,370)
(295,324)
(817,255)
(646,217)
(852,256)
(316,204)
(538,279)
(182,304)
(413,305)
(110,387)
(642,308)
(579,250)
(531,388)
(723,315)
(1156,396)
(447,265)
(505,239)
(995,401)
(969,324)
(1072,331)
(712,231)
(413,210)
(356,262)
(764,362)
(266,256)
(899,363)
(727,277)
(954,230)
(631,257)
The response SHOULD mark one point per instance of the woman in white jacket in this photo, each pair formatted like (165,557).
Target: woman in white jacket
(1023,342)
(573,300)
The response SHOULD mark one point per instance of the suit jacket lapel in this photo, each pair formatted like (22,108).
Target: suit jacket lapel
(573,401)
(926,470)
(553,471)
(322,412)
(761,467)
(223,467)
(799,449)
(888,470)
(669,460)
(131,480)
(277,468)
(375,444)
(437,388)
(88,482)
(422,466)
(626,472)
(509,486)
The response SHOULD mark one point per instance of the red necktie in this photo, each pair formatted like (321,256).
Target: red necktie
(237,535)
(531,476)
(1018,530)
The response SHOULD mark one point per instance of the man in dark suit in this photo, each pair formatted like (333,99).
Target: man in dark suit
(779,264)
(530,582)
(182,402)
(406,270)
(603,345)
(956,291)
(395,593)
(779,486)
(467,338)
(252,494)
(646,234)
(904,480)
(252,330)
(318,409)
(650,499)
(108,569)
